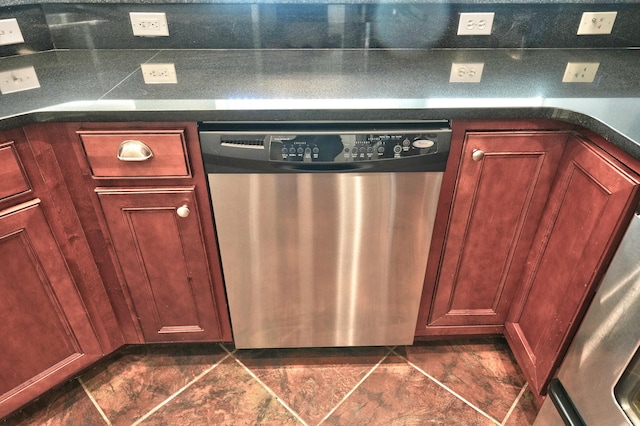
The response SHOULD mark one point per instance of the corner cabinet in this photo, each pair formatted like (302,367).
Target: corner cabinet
(46,333)
(588,210)
(529,217)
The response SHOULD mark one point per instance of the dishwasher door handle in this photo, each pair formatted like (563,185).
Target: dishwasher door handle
(324,167)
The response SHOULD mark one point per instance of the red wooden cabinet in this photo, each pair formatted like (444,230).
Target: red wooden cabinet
(501,189)
(588,209)
(159,246)
(47,329)
(155,242)
(46,333)
(534,218)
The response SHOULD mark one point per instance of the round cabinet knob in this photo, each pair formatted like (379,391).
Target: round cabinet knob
(477,155)
(183,211)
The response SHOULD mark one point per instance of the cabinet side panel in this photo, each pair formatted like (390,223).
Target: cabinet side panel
(565,247)
(590,203)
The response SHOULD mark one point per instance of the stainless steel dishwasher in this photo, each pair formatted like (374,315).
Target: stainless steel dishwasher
(324,228)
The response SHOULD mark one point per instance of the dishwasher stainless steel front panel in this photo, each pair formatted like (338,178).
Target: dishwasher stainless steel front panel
(324,259)
(324,235)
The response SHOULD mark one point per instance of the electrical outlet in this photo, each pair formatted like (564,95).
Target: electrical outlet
(159,73)
(18,80)
(475,23)
(149,24)
(597,23)
(580,72)
(10,32)
(466,73)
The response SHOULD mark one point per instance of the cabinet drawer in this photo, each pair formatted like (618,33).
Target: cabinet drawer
(139,154)
(13,180)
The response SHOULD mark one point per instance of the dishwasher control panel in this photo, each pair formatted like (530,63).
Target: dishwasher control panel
(340,148)
(282,147)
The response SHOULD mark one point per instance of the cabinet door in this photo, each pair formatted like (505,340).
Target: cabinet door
(163,261)
(503,183)
(45,332)
(590,204)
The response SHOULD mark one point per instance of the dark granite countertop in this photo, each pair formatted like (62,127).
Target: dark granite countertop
(27,2)
(108,85)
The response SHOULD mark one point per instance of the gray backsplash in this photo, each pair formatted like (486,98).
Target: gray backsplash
(34,29)
(347,25)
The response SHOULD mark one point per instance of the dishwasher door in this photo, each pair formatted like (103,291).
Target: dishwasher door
(324,259)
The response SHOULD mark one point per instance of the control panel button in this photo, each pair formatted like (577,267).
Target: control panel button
(423,143)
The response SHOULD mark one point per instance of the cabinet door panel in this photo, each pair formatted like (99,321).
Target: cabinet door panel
(13,180)
(163,261)
(497,204)
(586,211)
(45,331)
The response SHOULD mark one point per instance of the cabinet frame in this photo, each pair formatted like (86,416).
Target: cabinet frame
(95,223)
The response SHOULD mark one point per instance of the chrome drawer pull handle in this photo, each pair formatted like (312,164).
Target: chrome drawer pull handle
(477,155)
(183,211)
(133,150)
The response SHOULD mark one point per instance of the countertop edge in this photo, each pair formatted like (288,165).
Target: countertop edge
(396,114)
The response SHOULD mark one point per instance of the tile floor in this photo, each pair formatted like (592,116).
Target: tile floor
(463,382)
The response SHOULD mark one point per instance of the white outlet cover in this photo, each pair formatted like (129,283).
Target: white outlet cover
(159,73)
(597,23)
(475,23)
(149,24)
(580,72)
(10,32)
(18,80)
(466,72)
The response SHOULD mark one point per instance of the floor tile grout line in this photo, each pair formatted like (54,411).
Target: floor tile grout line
(182,389)
(94,402)
(515,404)
(268,389)
(333,410)
(445,387)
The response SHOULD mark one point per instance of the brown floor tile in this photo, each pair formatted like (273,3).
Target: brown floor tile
(66,405)
(483,371)
(311,381)
(398,394)
(140,377)
(525,412)
(228,395)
